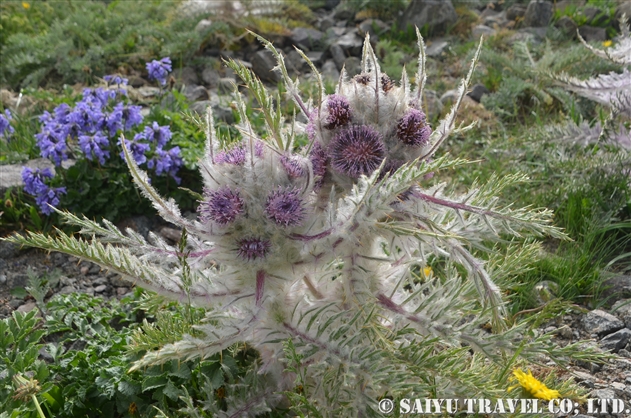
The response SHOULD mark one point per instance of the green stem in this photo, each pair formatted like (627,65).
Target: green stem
(39,408)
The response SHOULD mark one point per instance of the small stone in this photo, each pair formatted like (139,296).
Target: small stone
(616,341)
(338,55)
(3,279)
(15,303)
(351,43)
(67,290)
(203,25)
(325,23)
(352,65)
(477,92)
(482,30)
(226,85)
(449,97)
(186,76)
(616,288)
(315,57)
(210,77)
(565,332)
(330,71)
(171,233)
(306,38)
(100,289)
(566,25)
(436,48)
(622,309)
(515,12)
(624,353)
(117,281)
(84,270)
(601,323)
(27,307)
(603,394)
(437,16)
(538,14)
(195,93)
(618,386)
(593,34)
(94,269)
(97,281)
(122,291)
(262,64)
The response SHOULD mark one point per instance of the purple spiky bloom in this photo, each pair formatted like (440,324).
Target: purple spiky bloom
(235,156)
(222,205)
(253,248)
(318,158)
(339,111)
(292,166)
(412,129)
(285,207)
(310,129)
(357,150)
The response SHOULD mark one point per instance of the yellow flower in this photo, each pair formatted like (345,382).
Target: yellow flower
(607,44)
(533,386)
(427,271)
(26,5)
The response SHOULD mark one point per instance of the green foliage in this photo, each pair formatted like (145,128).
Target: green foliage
(88,39)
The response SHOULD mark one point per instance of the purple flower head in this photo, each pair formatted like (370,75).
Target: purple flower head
(222,205)
(357,150)
(159,134)
(115,80)
(87,116)
(35,186)
(235,156)
(5,125)
(158,70)
(318,158)
(113,121)
(292,166)
(92,145)
(311,125)
(168,162)
(285,207)
(412,129)
(339,111)
(61,113)
(137,149)
(49,197)
(253,248)
(132,116)
(52,142)
(259,148)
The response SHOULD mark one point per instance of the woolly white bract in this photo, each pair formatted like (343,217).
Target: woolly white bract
(318,257)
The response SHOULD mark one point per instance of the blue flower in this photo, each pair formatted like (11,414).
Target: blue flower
(137,149)
(87,116)
(5,126)
(93,145)
(52,142)
(113,121)
(35,186)
(158,70)
(158,134)
(168,162)
(132,116)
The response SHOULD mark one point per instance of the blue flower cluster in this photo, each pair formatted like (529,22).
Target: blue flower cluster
(92,125)
(5,124)
(158,70)
(44,194)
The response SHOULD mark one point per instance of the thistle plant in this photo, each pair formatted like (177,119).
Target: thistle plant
(353,275)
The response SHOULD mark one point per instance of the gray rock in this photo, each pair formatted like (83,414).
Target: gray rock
(351,43)
(496,20)
(8,250)
(331,4)
(186,76)
(210,77)
(477,92)
(147,92)
(373,27)
(616,341)
(117,281)
(515,12)
(67,289)
(594,16)
(15,303)
(306,38)
(122,291)
(262,64)
(436,48)
(538,14)
(100,288)
(436,15)
(3,279)
(330,71)
(593,34)
(566,25)
(140,224)
(294,63)
(325,23)
(603,394)
(223,113)
(45,355)
(11,175)
(352,65)
(449,97)
(482,30)
(338,55)
(27,307)
(315,57)
(616,288)
(432,105)
(203,25)
(622,309)
(195,93)
(565,332)
(600,322)
(226,85)
(538,34)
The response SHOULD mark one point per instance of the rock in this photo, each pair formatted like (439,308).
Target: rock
(436,15)
(27,307)
(185,76)
(373,27)
(603,394)
(171,233)
(538,14)
(67,289)
(203,25)
(593,34)
(623,8)
(594,16)
(352,66)
(351,43)
(226,85)
(616,341)
(601,323)
(330,71)
(622,309)
(516,11)
(117,281)
(100,288)
(565,332)
(566,25)
(477,92)
(449,97)
(338,55)
(262,64)
(498,20)
(325,23)
(12,175)
(195,93)
(315,57)
(45,355)
(616,288)
(564,4)
(331,4)
(223,113)
(210,77)
(8,250)
(432,105)
(436,48)
(122,291)
(306,38)
(482,30)
(537,34)
(140,224)
(3,279)
(294,63)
